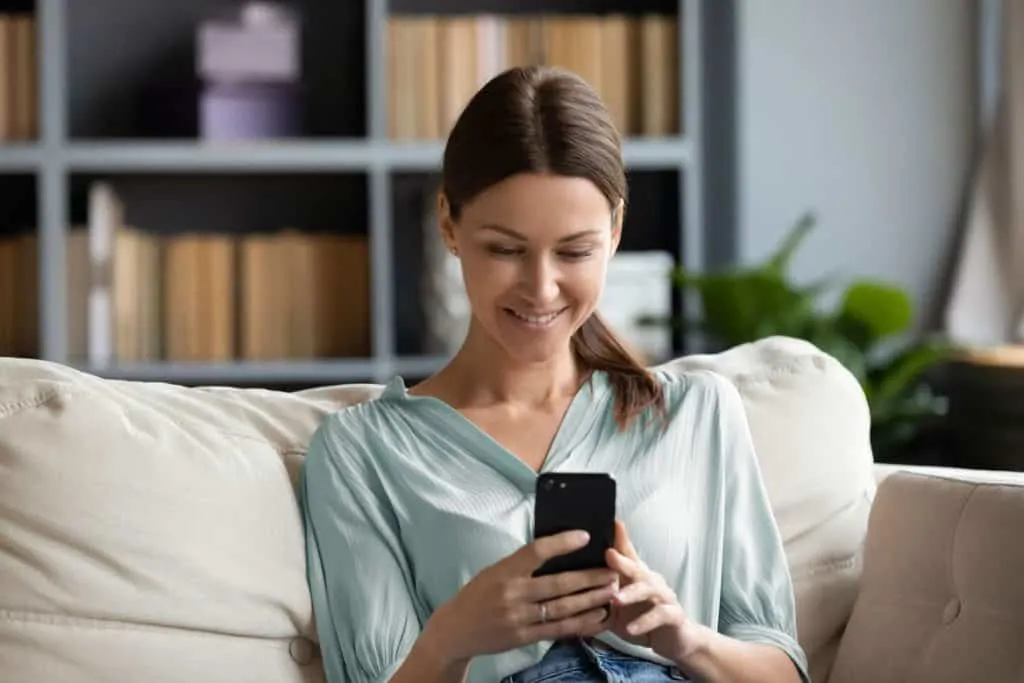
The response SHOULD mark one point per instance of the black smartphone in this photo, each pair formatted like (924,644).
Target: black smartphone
(567,501)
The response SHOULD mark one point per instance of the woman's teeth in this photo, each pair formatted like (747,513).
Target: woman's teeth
(538,320)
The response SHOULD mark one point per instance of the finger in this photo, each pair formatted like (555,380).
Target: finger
(622,542)
(656,617)
(533,555)
(591,622)
(641,591)
(569,606)
(626,566)
(567,583)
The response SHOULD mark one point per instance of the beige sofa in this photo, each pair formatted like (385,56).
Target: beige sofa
(149,532)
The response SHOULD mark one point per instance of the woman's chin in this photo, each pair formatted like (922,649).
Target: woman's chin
(529,344)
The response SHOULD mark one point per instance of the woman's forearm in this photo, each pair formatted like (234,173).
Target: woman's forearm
(427,663)
(721,659)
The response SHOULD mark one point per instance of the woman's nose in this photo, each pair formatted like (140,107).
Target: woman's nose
(542,281)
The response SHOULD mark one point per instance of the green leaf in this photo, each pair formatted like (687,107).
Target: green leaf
(749,305)
(871,311)
(779,261)
(900,376)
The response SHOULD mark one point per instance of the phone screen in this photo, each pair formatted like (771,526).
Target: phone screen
(568,501)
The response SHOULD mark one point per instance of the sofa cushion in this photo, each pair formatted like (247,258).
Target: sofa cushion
(942,594)
(811,427)
(150,532)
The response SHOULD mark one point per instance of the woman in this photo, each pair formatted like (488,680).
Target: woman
(418,504)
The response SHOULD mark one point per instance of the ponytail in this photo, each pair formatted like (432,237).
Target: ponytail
(636,390)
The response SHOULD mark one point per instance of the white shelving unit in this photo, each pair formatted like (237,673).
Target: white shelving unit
(57,156)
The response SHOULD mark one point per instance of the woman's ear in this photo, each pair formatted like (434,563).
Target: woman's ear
(618,214)
(445,223)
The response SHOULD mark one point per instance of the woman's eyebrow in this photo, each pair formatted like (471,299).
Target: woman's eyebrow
(509,232)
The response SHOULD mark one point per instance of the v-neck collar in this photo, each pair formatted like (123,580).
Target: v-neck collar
(575,424)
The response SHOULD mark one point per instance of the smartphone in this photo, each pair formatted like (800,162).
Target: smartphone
(567,501)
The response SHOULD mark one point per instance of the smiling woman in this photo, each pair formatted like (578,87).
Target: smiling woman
(419,505)
(536,219)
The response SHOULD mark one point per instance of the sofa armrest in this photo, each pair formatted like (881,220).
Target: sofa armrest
(884,470)
(940,597)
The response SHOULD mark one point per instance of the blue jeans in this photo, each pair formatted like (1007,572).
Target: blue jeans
(591,661)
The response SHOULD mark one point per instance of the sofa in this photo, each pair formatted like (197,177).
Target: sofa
(149,532)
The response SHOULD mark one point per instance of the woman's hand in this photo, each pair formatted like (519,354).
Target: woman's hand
(504,606)
(645,611)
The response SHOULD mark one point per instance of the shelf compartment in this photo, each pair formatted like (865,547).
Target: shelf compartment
(628,52)
(255,268)
(19,267)
(147,68)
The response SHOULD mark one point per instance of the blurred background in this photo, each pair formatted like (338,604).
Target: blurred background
(224,192)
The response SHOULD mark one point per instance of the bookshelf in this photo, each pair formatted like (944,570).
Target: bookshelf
(86,131)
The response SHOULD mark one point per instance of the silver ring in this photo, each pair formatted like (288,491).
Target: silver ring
(543,612)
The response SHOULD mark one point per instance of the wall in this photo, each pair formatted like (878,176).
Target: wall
(862,112)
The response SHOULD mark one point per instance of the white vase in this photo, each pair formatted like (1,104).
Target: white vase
(445,304)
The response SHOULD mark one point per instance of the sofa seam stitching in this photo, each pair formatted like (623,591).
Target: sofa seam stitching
(36,401)
(108,624)
(826,566)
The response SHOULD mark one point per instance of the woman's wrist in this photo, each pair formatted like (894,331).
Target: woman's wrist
(696,642)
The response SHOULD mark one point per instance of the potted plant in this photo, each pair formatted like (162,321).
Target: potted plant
(862,332)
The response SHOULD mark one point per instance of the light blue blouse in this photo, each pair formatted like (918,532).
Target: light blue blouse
(404,500)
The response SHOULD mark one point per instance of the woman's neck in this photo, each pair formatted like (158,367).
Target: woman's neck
(482,373)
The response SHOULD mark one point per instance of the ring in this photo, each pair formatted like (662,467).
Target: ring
(543,612)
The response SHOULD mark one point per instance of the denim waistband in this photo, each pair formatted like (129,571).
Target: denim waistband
(592,661)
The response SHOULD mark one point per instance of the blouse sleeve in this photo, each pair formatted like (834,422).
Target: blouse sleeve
(758,603)
(359,578)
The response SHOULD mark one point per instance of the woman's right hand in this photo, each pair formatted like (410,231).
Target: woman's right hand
(505,606)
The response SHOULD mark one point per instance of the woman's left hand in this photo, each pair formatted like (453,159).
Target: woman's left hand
(645,610)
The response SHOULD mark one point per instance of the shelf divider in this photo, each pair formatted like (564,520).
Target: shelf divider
(52,179)
(288,371)
(309,155)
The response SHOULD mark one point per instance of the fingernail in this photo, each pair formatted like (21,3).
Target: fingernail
(582,537)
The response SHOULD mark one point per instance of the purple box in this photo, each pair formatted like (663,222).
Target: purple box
(247,111)
(238,53)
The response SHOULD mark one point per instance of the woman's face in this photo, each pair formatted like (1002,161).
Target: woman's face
(534,251)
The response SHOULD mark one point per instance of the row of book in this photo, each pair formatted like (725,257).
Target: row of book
(19,288)
(137,296)
(437,63)
(210,297)
(18,77)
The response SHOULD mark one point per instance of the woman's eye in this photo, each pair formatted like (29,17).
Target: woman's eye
(576,255)
(502,251)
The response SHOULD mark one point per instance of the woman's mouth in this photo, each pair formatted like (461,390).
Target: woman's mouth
(535,320)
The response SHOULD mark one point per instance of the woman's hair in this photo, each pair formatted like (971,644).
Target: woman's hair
(549,120)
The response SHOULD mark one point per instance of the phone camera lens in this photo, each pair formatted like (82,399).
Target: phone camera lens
(549,485)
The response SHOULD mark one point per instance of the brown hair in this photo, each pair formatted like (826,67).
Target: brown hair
(549,120)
